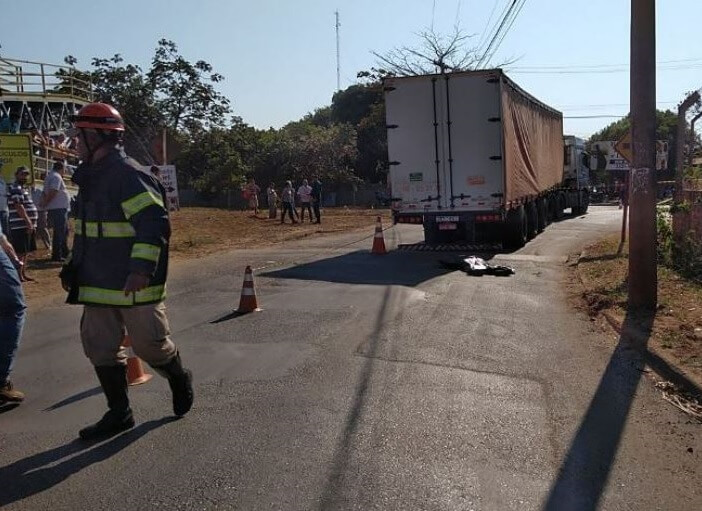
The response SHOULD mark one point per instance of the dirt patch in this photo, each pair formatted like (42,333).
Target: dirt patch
(676,334)
(198,232)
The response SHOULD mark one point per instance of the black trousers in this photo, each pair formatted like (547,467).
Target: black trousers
(317,213)
(305,206)
(287,208)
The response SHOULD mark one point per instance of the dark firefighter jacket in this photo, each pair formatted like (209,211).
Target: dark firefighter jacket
(121,226)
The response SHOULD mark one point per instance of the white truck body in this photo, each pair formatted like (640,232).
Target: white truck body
(444,141)
(466,149)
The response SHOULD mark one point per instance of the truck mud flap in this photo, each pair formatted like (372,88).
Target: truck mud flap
(450,247)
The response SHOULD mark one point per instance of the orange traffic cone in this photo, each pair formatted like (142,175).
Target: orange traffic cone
(378,240)
(248,302)
(135,372)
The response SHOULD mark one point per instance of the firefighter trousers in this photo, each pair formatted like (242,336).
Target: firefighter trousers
(102,330)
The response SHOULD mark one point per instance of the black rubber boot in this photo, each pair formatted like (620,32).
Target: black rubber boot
(181,383)
(118,418)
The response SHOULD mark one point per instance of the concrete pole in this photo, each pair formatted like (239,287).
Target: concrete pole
(693,139)
(643,281)
(680,141)
(678,223)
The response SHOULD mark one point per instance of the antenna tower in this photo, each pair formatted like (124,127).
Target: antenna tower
(338,68)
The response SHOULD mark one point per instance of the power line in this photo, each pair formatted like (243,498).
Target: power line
(496,30)
(594,116)
(433,11)
(601,71)
(591,66)
(609,105)
(509,27)
(487,25)
(663,65)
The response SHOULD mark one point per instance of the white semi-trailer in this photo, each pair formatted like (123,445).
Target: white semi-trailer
(474,158)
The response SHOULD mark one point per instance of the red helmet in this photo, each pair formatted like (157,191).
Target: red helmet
(99,116)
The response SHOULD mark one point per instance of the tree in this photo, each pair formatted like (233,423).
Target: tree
(666,129)
(435,52)
(309,150)
(354,103)
(372,144)
(185,91)
(666,124)
(211,163)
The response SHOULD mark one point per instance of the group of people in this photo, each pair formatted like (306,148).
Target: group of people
(27,212)
(121,219)
(309,198)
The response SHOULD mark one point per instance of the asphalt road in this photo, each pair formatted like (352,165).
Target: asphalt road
(367,382)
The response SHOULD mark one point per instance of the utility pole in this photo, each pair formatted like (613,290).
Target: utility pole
(643,280)
(338,53)
(678,223)
(693,139)
(680,142)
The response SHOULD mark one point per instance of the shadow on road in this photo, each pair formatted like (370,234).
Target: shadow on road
(334,484)
(394,268)
(227,317)
(31,475)
(587,465)
(6,407)
(74,398)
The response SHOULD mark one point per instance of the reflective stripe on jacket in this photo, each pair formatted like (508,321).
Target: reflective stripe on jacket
(121,227)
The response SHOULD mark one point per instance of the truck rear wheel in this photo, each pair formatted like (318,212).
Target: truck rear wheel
(551,202)
(585,201)
(542,210)
(532,220)
(560,205)
(516,228)
(431,233)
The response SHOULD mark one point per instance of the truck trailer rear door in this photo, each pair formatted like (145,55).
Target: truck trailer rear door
(414,146)
(473,142)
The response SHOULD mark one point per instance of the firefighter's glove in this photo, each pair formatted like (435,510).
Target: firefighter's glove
(136,282)
(67,276)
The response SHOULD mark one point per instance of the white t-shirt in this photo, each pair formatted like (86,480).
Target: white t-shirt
(61,200)
(305,193)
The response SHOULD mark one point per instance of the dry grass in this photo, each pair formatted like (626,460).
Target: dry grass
(201,231)
(198,232)
(677,327)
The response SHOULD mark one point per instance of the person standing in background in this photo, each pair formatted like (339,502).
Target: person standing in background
(23,219)
(56,201)
(304,192)
(42,218)
(4,208)
(252,190)
(272,201)
(317,198)
(288,200)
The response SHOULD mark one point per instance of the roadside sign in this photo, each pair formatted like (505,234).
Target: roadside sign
(623,147)
(168,178)
(15,151)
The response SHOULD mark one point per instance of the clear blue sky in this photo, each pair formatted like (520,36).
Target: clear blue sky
(279,56)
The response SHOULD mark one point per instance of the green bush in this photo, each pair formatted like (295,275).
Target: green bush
(686,259)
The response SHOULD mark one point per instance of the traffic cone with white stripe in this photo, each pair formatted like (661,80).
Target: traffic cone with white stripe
(135,371)
(378,239)
(248,301)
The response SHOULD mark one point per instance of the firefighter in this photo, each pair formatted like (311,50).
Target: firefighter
(118,266)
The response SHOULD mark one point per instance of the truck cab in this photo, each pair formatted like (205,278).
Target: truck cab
(576,162)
